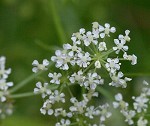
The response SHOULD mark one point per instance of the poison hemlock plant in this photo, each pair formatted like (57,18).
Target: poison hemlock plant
(83,63)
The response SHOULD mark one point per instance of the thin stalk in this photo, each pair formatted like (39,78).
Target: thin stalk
(88,67)
(76,123)
(105,93)
(108,52)
(69,90)
(21,95)
(57,21)
(91,50)
(137,74)
(26,81)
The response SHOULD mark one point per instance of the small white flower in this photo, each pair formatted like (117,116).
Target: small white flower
(55,77)
(102,46)
(88,38)
(57,97)
(112,65)
(142,122)
(117,80)
(106,30)
(77,77)
(91,112)
(63,122)
(83,59)
(120,103)
(62,59)
(47,108)
(140,103)
(42,89)
(104,112)
(126,37)
(92,80)
(131,58)
(38,66)
(129,115)
(62,112)
(97,64)
(78,107)
(78,36)
(120,46)
(72,49)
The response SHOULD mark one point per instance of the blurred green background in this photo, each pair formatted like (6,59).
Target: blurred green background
(31,29)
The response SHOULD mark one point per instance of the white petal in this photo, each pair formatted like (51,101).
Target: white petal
(82,31)
(10,84)
(35,62)
(50,75)
(57,52)
(36,90)
(118,97)
(45,62)
(113,29)
(107,25)
(67,46)
(116,41)
(50,112)
(39,84)
(127,32)
(73,39)
(3,98)
(134,60)
(101,28)
(102,35)
(43,111)
(125,48)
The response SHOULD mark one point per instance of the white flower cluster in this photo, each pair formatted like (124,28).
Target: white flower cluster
(81,63)
(4,86)
(140,106)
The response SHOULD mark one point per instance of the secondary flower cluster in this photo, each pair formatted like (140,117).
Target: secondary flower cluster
(5,108)
(140,106)
(81,63)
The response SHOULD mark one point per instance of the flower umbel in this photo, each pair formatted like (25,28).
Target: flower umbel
(82,63)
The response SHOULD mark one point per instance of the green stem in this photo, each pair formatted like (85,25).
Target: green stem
(107,53)
(137,74)
(57,21)
(26,81)
(105,93)
(92,51)
(76,123)
(88,67)
(69,90)
(21,95)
